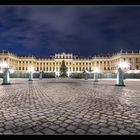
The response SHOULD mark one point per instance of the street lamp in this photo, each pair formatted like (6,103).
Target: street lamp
(124,65)
(96,70)
(120,73)
(6,72)
(30,70)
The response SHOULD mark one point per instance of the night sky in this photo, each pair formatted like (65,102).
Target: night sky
(81,30)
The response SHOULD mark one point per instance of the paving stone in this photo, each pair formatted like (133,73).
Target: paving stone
(124,132)
(71,128)
(48,131)
(104,130)
(69,106)
(54,127)
(69,133)
(61,130)
(8,132)
(19,133)
(95,126)
(28,131)
(115,133)
(83,127)
(113,128)
(2,129)
(38,133)
(80,131)
(93,131)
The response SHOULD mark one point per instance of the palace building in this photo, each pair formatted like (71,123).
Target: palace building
(74,63)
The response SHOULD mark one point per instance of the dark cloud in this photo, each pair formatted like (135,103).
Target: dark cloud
(82,30)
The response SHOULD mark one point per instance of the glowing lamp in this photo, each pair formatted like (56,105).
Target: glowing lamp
(31,69)
(11,70)
(123,65)
(96,69)
(3,64)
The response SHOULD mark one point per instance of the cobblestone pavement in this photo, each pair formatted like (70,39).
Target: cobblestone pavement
(69,106)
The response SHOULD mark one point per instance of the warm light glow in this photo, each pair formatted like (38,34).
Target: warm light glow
(31,69)
(96,69)
(3,64)
(124,65)
(1,71)
(11,71)
(136,71)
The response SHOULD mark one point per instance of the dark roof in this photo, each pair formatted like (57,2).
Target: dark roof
(4,51)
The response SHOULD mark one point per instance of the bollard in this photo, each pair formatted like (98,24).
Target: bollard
(40,75)
(30,76)
(6,77)
(85,75)
(95,77)
(120,78)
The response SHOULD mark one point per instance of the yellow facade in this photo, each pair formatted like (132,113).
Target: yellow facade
(105,64)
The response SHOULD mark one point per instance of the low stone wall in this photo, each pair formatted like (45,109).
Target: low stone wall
(108,75)
(26,75)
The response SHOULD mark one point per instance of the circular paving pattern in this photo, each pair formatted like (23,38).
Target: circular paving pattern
(69,106)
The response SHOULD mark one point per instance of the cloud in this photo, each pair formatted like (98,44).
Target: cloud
(84,30)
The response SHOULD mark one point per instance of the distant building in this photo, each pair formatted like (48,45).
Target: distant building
(105,64)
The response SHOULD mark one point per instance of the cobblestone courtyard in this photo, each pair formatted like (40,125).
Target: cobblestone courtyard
(69,106)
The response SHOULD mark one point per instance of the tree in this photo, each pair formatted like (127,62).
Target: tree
(63,69)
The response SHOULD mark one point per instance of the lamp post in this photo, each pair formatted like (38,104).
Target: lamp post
(96,70)
(30,70)
(120,74)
